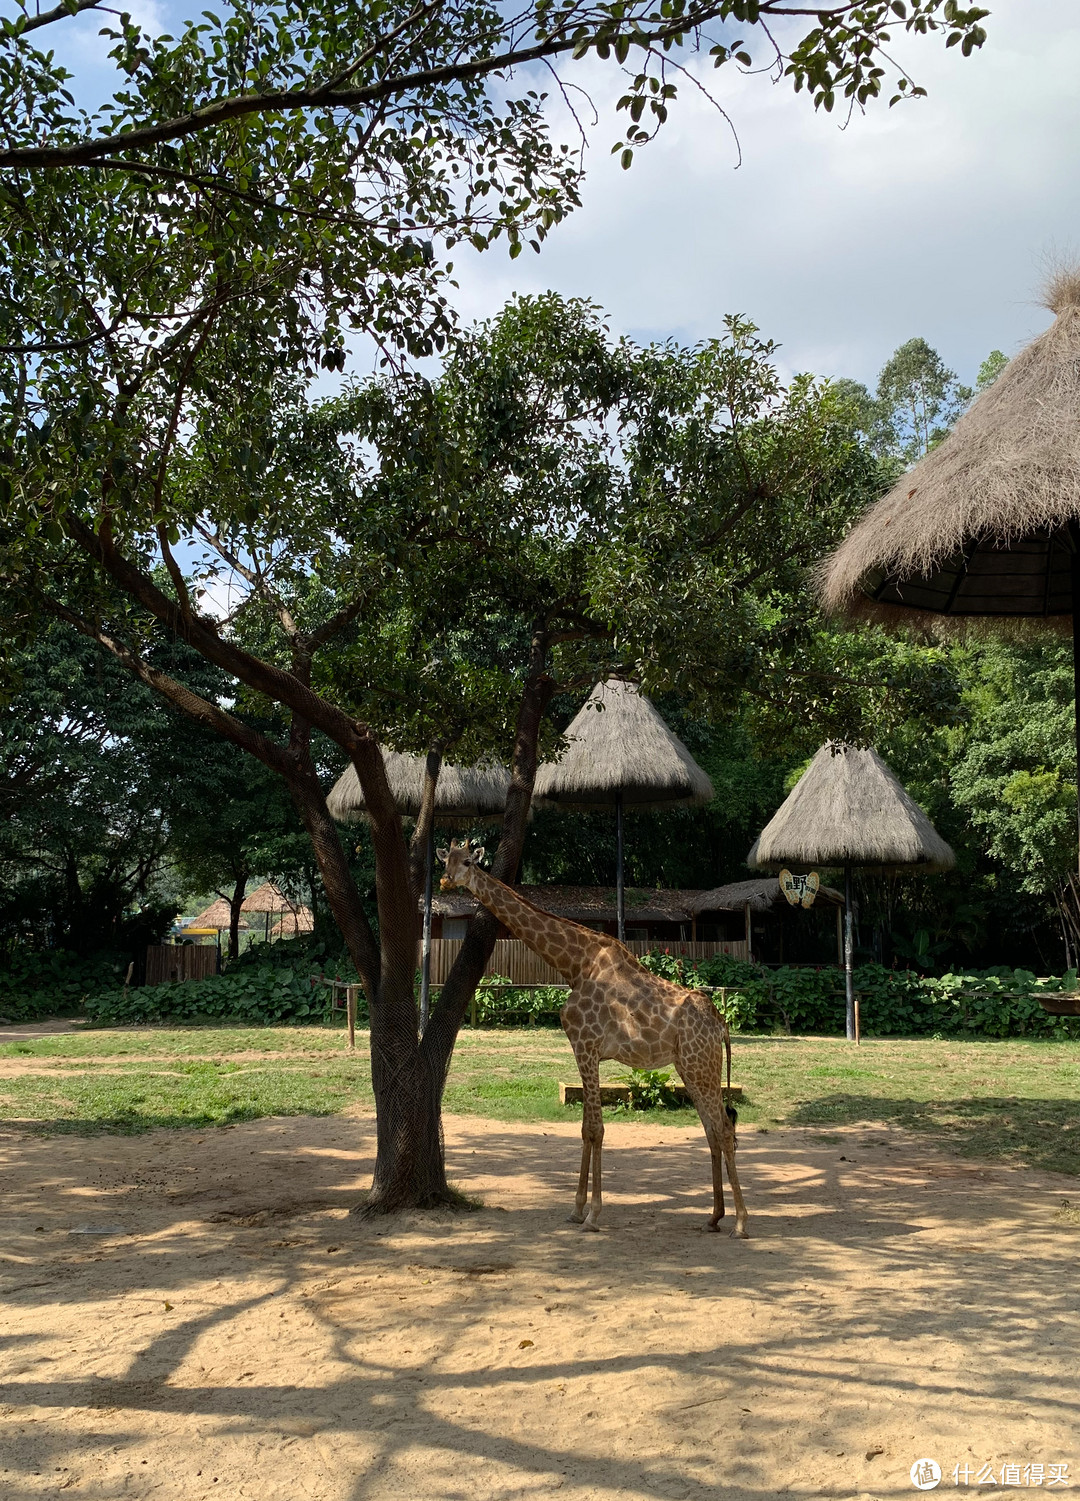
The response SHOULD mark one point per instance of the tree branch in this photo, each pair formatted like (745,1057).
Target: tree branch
(220,111)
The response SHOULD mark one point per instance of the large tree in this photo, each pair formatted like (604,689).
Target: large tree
(424,563)
(180,257)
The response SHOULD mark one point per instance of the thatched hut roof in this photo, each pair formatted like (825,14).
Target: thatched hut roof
(462,793)
(268,899)
(290,924)
(849,809)
(619,743)
(984,524)
(214,916)
(761,894)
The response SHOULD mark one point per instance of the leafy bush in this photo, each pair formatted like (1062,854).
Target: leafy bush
(272,993)
(985,1003)
(509,1007)
(650,1089)
(51,982)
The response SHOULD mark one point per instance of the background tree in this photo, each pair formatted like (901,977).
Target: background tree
(240,824)
(94,775)
(916,402)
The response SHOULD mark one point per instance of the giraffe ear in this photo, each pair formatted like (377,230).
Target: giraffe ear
(478,854)
(443,854)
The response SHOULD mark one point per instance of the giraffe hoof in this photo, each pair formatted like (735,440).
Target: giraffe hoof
(714,1227)
(591,1225)
(740,1233)
(575,1218)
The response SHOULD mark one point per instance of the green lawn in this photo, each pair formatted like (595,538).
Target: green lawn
(1014,1100)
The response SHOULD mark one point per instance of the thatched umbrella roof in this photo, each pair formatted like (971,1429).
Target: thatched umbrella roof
(987,523)
(462,794)
(267,899)
(214,916)
(849,809)
(291,924)
(619,744)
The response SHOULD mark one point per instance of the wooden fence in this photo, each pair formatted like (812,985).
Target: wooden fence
(180,961)
(517,962)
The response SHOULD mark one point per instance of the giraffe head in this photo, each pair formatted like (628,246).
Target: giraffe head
(457,860)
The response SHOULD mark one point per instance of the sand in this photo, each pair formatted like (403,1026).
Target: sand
(244,1336)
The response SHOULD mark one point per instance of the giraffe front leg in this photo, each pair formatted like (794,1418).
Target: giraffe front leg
(592,1136)
(596,1204)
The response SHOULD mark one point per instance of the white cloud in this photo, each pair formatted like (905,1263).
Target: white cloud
(932,218)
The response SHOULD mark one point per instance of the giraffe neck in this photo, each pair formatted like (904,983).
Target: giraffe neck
(563,944)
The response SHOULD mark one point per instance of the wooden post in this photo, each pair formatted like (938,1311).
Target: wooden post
(472,1010)
(749,933)
(350,1007)
(858,1027)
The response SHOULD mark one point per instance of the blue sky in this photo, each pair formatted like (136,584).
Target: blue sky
(934,218)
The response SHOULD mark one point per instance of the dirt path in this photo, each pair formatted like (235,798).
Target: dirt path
(244,1337)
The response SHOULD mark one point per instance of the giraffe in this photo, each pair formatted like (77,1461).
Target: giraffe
(617,1009)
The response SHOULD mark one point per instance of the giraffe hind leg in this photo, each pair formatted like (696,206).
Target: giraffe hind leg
(708,1097)
(592,1138)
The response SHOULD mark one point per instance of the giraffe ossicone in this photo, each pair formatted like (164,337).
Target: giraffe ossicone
(618,1009)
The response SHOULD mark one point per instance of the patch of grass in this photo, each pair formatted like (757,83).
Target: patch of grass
(133,1098)
(1013,1100)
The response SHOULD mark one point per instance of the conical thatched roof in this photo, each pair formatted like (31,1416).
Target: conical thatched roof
(619,743)
(984,525)
(848,809)
(291,924)
(462,793)
(268,899)
(214,916)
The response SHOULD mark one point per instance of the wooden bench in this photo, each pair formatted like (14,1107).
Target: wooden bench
(619,1094)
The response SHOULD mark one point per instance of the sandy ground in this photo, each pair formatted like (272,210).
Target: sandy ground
(245,1337)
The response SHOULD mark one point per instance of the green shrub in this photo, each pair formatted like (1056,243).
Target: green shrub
(650,1089)
(273,993)
(984,1003)
(51,982)
(510,1007)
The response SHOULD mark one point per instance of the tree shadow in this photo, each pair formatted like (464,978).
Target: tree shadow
(470,1402)
(1041,1133)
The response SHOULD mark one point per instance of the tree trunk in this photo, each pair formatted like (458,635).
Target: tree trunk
(447,1017)
(235,903)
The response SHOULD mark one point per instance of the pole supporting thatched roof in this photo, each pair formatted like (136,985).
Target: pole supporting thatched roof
(986,523)
(619,743)
(849,809)
(462,793)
